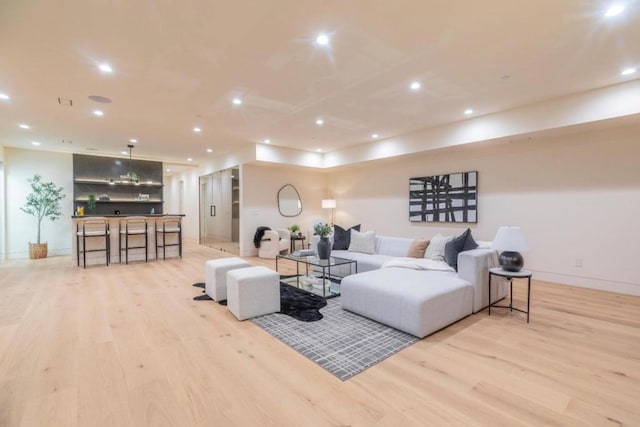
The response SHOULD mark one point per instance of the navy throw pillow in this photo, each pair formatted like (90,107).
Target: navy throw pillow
(342,237)
(463,242)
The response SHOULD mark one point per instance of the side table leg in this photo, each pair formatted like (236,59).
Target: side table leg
(528,298)
(489,293)
(511,293)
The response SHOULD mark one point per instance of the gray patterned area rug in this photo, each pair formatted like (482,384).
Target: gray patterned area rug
(343,343)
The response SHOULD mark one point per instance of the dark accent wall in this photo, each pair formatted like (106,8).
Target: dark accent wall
(107,176)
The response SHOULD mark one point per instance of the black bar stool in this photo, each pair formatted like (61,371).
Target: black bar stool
(91,228)
(168,225)
(133,226)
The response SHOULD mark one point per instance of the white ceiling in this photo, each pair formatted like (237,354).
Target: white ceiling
(179,64)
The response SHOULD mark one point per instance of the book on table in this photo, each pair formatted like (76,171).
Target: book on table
(303,252)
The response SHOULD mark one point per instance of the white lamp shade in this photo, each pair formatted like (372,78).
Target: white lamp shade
(510,239)
(328,203)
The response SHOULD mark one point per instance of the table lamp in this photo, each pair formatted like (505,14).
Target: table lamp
(510,242)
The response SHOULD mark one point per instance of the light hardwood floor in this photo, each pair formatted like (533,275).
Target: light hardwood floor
(126,345)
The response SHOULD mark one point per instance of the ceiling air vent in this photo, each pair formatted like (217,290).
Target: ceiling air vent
(101,99)
(65,101)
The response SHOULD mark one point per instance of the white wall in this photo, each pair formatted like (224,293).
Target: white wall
(20,227)
(576,197)
(2,207)
(259,205)
(189,181)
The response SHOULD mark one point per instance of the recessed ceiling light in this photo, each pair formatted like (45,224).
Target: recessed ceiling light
(209,150)
(415,85)
(98,113)
(168,170)
(35,143)
(24,126)
(614,10)
(237,101)
(124,152)
(319,122)
(105,68)
(628,71)
(267,141)
(319,150)
(189,159)
(322,39)
(196,129)
(468,112)
(4,96)
(374,135)
(133,140)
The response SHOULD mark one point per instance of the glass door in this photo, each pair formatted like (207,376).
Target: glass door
(220,210)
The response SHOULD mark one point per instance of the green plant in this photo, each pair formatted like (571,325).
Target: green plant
(294,228)
(43,201)
(322,229)
(91,203)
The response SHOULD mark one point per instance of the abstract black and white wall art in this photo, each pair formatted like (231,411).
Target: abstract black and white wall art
(444,198)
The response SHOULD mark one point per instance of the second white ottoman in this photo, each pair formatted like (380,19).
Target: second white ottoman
(215,271)
(252,292)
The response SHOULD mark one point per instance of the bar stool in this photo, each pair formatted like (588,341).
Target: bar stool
(133,226)
(94,227)
(168,225)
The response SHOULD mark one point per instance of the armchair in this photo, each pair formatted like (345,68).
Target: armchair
(274,242)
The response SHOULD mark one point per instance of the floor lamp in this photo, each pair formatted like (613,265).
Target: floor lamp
(329,204)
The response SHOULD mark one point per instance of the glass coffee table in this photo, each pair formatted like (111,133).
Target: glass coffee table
(318,277)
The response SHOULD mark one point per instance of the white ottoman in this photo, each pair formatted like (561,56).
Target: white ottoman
(215,273)
(418,302)
(252,292)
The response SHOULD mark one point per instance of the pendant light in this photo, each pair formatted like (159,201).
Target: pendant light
(133,177)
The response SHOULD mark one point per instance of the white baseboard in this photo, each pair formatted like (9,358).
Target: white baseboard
(588,282)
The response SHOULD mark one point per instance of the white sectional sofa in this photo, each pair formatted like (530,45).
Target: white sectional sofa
(413,299)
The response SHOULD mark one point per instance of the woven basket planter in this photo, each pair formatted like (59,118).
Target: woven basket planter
(37,250)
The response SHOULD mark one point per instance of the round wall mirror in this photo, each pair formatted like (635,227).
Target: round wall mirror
(289,203)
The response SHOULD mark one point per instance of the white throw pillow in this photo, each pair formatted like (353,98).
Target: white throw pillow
(435,250)
(363,242)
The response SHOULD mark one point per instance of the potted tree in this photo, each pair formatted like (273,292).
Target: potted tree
(42,202)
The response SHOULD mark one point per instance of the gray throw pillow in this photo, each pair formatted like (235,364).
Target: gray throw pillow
(342,237)
(463,242)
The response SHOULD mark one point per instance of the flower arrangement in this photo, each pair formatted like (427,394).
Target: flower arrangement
(322,229)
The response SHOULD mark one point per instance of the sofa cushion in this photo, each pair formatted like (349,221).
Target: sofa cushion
(435,250)
(363,242)
(392,246)
(417,248)
(463,242)
(365,262)
(342,237)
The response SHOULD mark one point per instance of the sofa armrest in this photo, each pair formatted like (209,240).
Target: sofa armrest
(473,266)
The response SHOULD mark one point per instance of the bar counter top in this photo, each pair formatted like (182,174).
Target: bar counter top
(125,215)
